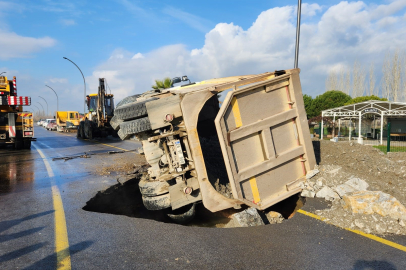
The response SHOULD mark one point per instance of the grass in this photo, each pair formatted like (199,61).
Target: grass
(383,148)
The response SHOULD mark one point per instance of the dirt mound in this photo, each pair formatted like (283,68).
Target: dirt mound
(382,172)
(342,161)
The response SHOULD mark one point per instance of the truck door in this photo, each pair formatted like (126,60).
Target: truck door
(265,140)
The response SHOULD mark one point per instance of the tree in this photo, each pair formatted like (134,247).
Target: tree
(364,98)
(165,83)
(307,103)
(358,80)
(392,73)
(328,100)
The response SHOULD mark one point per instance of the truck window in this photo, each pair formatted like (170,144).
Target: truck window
(71,115)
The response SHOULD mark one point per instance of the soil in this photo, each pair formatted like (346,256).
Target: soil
(386,173)
(122,163)
(338,162)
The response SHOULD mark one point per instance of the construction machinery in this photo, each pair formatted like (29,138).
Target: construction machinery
(96,123)
(254,149)
(16,125)
(67,121)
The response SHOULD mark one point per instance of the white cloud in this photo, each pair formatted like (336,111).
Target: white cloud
(192,20)
(345,32)
(58,80)
(310,10)
(68,22)
(15,46)
(137,56)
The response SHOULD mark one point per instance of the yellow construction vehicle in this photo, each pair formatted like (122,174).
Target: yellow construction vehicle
(16,125)
(96,123)
(67,121)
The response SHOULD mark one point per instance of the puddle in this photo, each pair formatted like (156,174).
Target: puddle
(17,170)
(125,199)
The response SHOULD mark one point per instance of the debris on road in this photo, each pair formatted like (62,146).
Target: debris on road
(367,189)
(247,218)
(88,155)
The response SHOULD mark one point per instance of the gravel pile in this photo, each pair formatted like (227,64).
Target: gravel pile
(349,172)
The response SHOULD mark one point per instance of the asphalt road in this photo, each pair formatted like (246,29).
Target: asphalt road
(29,232)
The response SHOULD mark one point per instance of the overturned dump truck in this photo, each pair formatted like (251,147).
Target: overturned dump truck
(254,148)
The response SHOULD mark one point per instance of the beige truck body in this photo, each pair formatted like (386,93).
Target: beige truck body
(259,131)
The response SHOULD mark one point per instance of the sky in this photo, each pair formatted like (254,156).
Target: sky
(131,43)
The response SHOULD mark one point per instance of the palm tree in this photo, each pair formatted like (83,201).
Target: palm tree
(165,83)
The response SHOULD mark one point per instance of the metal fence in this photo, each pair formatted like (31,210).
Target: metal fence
(393,137)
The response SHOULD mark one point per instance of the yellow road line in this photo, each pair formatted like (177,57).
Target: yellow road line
(367,235)
(61,233)
(108,145)
(98,142)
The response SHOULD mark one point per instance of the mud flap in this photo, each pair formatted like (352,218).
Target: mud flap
(12,125)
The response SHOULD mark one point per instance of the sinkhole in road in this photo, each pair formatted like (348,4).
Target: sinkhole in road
(125,199)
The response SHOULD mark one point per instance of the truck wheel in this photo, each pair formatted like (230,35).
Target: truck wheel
(18,145)
(82,130)
(127,100)
(153,188)
(27,144)
(115,122)
(157,202)
(135,126)
(132,110)
(184,214)
(78,132)
(122,136)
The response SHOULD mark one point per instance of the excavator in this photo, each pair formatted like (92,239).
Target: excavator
(96,123)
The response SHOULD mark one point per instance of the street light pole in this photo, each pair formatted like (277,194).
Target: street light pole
(57,99)
(299,12)
(3,72)
(84,82)
(42,107)
(45,102)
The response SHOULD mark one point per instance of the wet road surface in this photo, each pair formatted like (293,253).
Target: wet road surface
(28,226)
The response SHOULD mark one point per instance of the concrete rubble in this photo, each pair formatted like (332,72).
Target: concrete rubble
(247,218)
(370,202)
(352,204)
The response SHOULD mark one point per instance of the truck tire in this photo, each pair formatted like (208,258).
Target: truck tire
(122,136)
(157,202)
(127,100)
(115,122)
(135,126)
(18,145)
(82,130)
(184,214)
(153,188)
(132,110)
(78,132)
(27,144)
(88,130)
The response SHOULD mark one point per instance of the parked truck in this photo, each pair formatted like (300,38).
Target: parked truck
(16,125)
(96,123)
(254,149)
(67,121)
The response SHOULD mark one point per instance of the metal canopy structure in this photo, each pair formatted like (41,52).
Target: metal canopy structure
(358,110)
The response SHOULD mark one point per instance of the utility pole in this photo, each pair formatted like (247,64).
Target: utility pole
(57,99)
(84,82)
(45,103)
(42,107)
(299,12)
